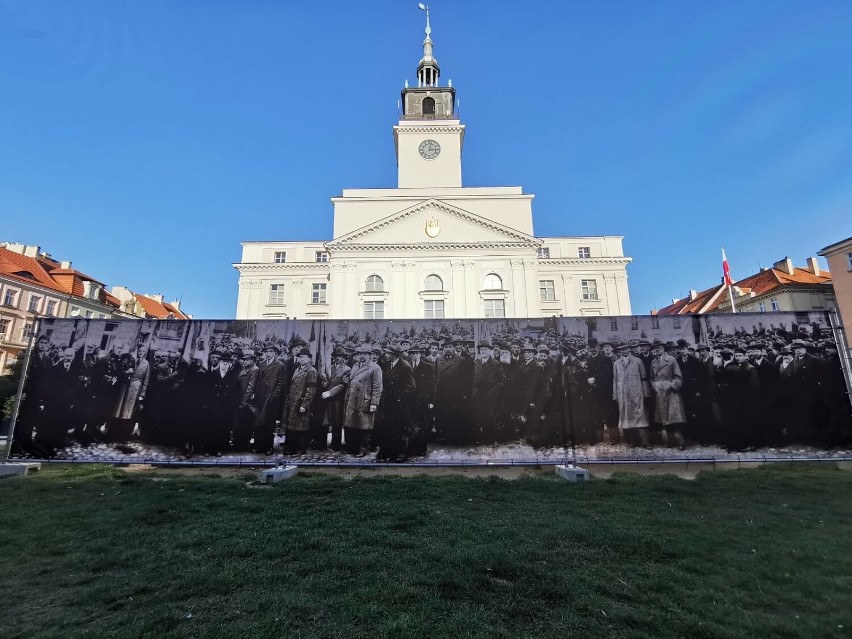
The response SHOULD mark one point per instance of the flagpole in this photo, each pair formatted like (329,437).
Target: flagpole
(726,271)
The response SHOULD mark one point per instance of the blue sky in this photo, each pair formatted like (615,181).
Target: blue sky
(145,140)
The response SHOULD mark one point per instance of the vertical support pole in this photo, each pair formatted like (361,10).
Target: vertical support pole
(19,394)
(843,351)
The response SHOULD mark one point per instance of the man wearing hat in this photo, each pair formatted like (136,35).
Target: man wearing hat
(454,389)
(599,378)
(807,377)
(534,391)
(246,413)
(270,382)
(405,348)
(422,415)
(362,400)
(223,392)
(489,382)
(333,395)
(630,389)
(666,381)
(297,407)
(398,394)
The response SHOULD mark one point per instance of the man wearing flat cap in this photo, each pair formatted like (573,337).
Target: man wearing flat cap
(362,400)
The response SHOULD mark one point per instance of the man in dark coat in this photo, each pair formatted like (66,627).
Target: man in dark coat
(807,375)
(743,389)
(455,380)
(246,412)
(533,395)
(333,396)
(224,395)
(297,408)
(489,383)
(270,381)
(398,396)
(64,395)
(765,430)
(422,416)
(599,377)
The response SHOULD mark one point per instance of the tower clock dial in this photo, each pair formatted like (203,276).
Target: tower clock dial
(429,149)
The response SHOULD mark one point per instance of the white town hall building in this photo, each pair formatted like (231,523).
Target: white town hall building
(431,248)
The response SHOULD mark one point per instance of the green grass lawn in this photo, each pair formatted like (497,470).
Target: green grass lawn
(99,552)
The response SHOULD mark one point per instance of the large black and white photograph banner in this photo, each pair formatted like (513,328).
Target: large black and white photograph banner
(433,390)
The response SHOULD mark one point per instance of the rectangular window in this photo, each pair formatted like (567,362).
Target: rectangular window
(613,324)
(590,289)
(849,260)
(546,290)
(88,313)
(35,300)
(321,256)
(25,331)
(75,311)
(4,327)
(50,311)
(276,294)
(676,323)
(634,323)
(280,257)
(318,292)
(495,308)
(773,303)
(11,298)
(433,309)
(655,323)
(584,252)
(374,310)
(544,251)
(761,306)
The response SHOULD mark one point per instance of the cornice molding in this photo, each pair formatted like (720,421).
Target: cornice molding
(292,266)
(427,128)
(431,247)
(578,261)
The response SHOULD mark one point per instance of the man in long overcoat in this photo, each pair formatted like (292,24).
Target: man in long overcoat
(533,395)
(397,400)
(246,411)
(629,389)
(362,400)
(598,390)
(270,381)
(223,397)
(297,408)
(422,416)
(666,382)
(489,383)
(333,396)
(455,379)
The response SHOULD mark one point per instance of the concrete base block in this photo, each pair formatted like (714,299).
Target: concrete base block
(19,469)
(274,475)
(572,473)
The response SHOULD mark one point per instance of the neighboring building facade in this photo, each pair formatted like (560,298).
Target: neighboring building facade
(431,247)
(783,287)
(33,285)
(147,306)
(839,257)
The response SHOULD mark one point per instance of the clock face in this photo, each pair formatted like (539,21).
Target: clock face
(429,149)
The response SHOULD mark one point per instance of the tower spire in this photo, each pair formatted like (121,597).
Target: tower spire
(428,70)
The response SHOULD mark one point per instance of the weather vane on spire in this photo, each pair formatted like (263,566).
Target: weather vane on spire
(425,7)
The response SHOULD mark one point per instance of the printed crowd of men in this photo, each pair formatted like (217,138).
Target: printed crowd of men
(396,397)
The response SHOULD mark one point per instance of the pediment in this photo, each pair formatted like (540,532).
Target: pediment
(448,225)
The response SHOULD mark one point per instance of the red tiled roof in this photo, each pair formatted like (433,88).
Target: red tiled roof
(159,310)
(758,284)
(11,264)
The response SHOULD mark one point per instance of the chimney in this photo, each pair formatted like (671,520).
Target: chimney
(65,264)
(813,266)
(158,297)
(692,294)
(675,300)
(32,251)
(176,304)
(785,265)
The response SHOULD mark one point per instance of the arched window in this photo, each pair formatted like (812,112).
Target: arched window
(375,284)
(428,106)
(493,282)
(434,283)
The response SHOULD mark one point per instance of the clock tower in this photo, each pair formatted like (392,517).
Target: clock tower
(429,136)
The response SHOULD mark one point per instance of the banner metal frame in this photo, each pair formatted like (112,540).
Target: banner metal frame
(20,392)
